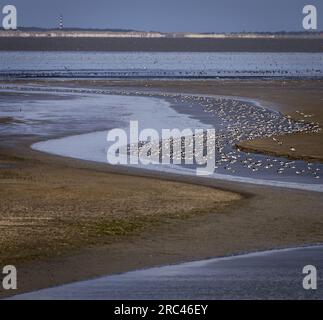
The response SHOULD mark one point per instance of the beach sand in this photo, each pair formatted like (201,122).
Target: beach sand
(65,220)
(47,208)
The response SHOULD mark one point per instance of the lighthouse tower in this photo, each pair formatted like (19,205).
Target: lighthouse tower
(61,25)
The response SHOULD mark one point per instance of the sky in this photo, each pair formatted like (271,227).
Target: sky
(167,15)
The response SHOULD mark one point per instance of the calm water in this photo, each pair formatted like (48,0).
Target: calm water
(160,65)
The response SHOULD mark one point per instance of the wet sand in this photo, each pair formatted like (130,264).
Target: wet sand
(65,245)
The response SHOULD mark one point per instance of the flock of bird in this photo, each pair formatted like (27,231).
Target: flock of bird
(234,120)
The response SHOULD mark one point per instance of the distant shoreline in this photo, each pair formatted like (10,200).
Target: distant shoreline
(162,44)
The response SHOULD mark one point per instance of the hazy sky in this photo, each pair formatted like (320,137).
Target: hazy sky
(168,15)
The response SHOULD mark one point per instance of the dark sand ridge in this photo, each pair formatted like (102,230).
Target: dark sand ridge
(62,195)
(163,44)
